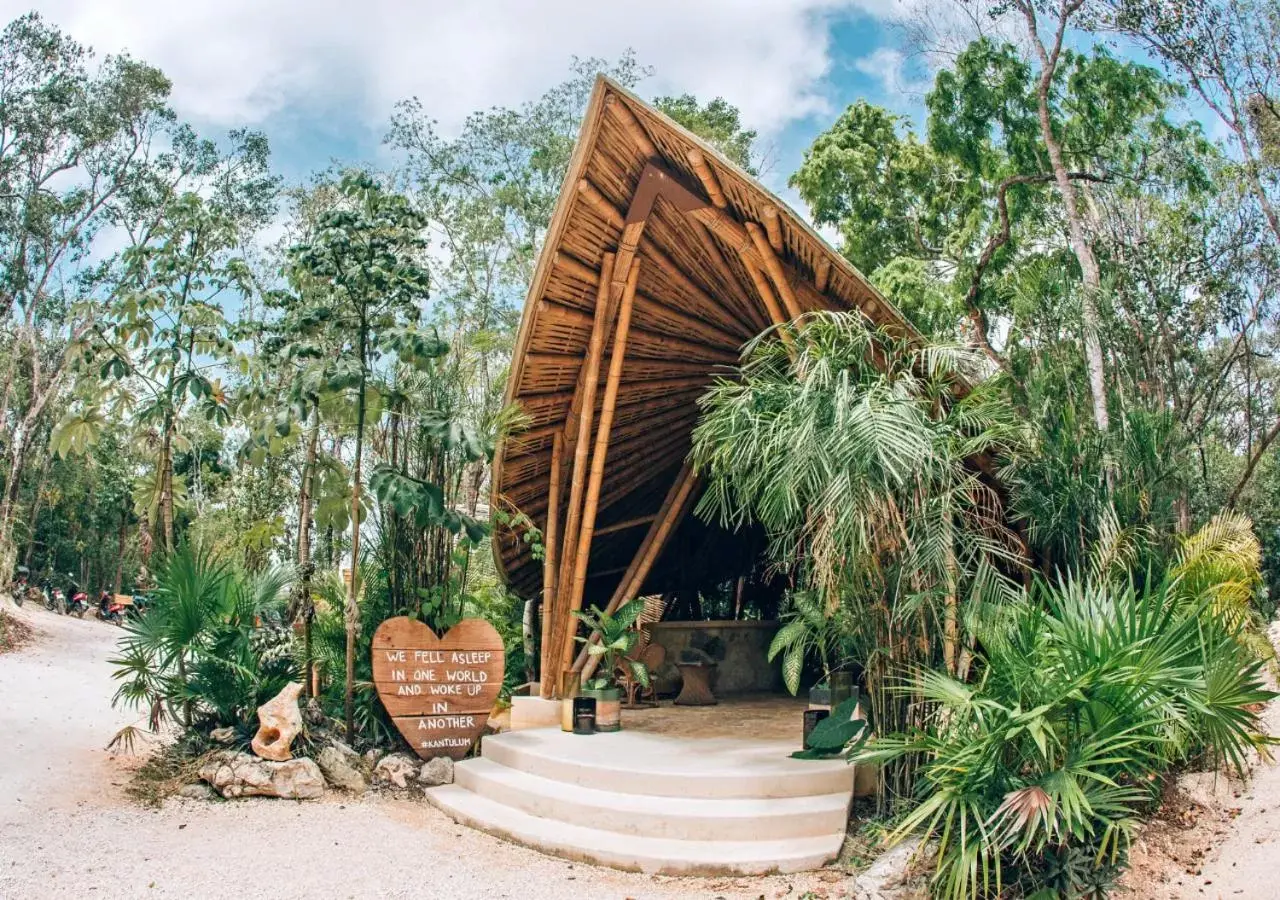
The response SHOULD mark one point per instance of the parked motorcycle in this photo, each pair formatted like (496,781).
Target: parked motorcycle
(56,601)
(78,605)
(111,611)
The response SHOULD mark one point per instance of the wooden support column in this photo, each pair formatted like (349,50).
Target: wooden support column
(583,553)
(674,506)
(774,268)
(546,676)
(582,443)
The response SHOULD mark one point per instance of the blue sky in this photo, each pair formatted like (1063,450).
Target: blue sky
(320,77)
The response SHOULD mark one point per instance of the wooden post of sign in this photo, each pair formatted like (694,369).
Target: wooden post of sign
(583,553)
(582,446)
(549,539)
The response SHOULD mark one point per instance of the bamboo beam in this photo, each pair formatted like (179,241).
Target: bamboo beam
(625,524)
(774,268)
(822,274)
(598,202)
(582,440)
(769,217)
(770,302)
(599,455)
(549,568)
(630,125)
(717,336)
(674,506)
(708,178)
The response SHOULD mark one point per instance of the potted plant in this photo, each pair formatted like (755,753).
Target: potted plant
(807,630)
(611,638)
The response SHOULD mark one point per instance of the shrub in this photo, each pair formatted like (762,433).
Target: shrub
(1087,691)
(209,650)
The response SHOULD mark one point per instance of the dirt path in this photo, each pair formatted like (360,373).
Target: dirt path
(1246,863)
(67,830)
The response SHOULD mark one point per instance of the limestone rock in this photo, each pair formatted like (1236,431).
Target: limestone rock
(280,720)
(437,771)
(235,774)
(197,791)
(395,769)
(313,713)
(223,735)
(888,878)
(1208,789)
(371,757)
(340,771)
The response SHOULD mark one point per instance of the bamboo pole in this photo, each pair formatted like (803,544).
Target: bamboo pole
(674,506)
(549,567)
(625,524)
(822,274)
(709,305)
(630,125)
(774,268)
(769,218)
(770,301)
(708,178)
(583,553)
(577,482)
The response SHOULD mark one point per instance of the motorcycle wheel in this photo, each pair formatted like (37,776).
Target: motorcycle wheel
(18,598)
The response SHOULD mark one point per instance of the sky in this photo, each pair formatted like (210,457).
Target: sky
(320,77)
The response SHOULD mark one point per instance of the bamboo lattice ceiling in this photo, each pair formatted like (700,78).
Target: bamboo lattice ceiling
(721,260)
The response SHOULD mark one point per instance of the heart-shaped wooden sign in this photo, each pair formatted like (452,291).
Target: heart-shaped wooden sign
(438,690)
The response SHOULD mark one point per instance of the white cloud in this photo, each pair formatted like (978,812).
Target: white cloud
(244,61)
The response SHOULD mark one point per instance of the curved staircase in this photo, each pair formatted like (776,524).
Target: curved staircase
(652,803)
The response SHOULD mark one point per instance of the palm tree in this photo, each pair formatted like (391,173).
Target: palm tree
(859,453)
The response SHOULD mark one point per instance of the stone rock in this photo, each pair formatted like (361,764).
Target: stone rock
(340,771)
(197,791)
(371,757)
(437,771)
(313,713)
(234,774)
(280,720)
(1208,789)
(395,769)
(224,735)
(888,877)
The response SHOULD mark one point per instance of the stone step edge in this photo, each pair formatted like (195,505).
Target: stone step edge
(807,816)
(654,856)
(702,785)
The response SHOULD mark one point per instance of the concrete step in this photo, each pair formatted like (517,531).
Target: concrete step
(655,855)
(629,762)
(682,818)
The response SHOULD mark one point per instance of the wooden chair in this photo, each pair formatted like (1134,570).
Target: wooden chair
(650,654)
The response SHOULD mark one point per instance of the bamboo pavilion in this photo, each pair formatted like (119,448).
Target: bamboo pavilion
(662,259)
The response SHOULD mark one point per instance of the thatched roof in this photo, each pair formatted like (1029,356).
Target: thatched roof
(706,285)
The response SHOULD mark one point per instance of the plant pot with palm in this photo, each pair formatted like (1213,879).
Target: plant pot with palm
(610,640)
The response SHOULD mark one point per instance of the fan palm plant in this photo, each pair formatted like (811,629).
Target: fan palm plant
(1089,690)
(201,654)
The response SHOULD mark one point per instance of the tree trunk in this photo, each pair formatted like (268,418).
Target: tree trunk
(353,611)
(18,451)
(121,538)
(306,608)
(35,510)
(1080,245)
(166,483)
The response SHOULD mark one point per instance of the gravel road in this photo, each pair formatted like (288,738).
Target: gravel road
(68,830)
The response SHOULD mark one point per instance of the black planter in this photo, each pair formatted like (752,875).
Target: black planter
(820,695)
(811,719)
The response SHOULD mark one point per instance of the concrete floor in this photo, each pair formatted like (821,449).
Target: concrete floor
(769,717)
